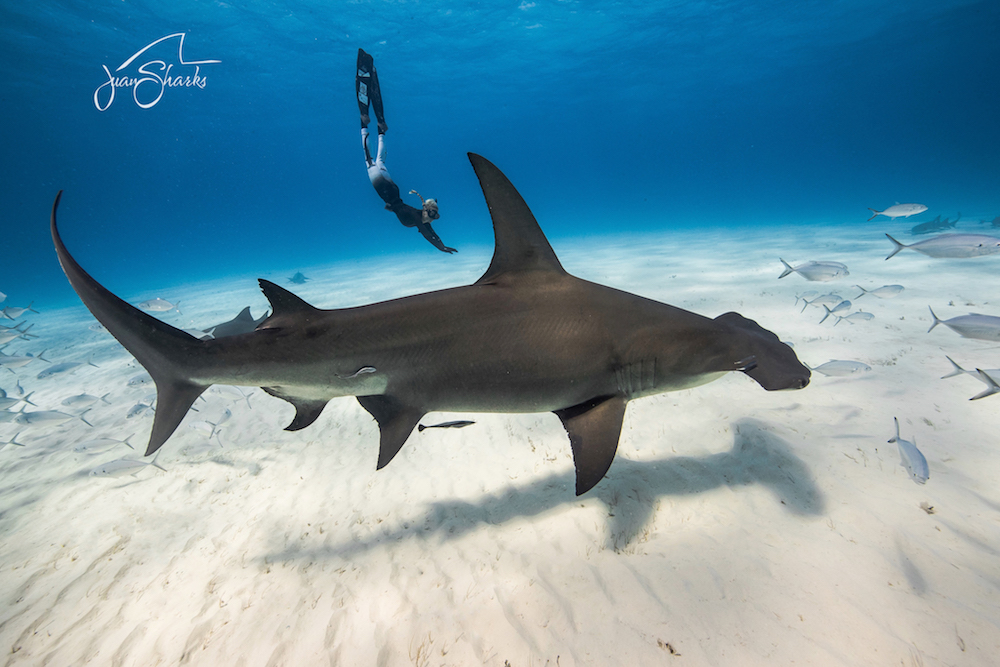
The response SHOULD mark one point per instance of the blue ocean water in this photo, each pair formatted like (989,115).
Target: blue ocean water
(610,119)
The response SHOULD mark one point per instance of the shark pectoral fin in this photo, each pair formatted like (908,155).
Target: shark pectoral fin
(306,411)
(395,423)
(594,428)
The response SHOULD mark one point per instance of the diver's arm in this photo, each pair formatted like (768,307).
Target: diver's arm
(435,240)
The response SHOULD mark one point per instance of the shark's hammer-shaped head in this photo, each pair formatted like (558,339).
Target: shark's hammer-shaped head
(766,359)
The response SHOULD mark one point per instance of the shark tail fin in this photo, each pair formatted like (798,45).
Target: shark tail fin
(937,321)
(165,351)
(876,213)
(899,246)
(788,269)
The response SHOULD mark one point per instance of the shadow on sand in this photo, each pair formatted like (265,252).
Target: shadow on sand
(630,492)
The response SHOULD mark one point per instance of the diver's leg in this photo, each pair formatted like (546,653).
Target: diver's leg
(380,178)
(362,85)
(364,144)
(380,156)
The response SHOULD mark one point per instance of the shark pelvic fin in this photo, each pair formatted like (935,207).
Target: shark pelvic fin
(520,243)
(164,351)
(594,428)
(306,410)
(395,423)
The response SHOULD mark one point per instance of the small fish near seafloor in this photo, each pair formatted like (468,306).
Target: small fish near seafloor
(958,370)
(12,313)
(985,376)
(64,367)
(951,246)
(140,380)
(840,307)
(101,445)
(7,334)
(841,368)
(527,337)
(911,458)
(805,296)
(159,305)
(883,292)
(46,417)
(84,400)
(856,316)
(973,325)
(298,279)
(898,211)
(824,300)
(7,402)
(816,271)
(17,361)
(123,467)
(991,385)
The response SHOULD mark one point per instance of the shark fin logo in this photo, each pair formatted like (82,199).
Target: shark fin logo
(150,79)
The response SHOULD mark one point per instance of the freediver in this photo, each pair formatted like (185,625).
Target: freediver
(367,89)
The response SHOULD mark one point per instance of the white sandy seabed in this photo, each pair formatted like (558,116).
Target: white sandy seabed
(736,526)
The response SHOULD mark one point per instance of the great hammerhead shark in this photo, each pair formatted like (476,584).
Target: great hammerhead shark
(526,337)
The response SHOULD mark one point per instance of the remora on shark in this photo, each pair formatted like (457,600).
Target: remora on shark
(526,337)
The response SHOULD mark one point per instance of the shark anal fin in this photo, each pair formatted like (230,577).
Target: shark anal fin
(395,423)
(306,411)
(594,428)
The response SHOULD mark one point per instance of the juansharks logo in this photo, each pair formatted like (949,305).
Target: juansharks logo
(150,79)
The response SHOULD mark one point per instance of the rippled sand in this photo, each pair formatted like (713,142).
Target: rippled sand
(736,526)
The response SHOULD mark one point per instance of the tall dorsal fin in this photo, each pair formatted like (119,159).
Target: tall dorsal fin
(244,315)
(520,243)
(282,301)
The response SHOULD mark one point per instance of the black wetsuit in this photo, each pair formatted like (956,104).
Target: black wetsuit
(368,93)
